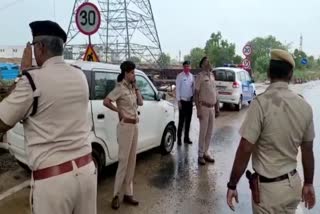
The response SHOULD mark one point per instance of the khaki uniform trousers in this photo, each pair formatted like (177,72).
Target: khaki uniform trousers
(281,197)
(206,129)
(72,192)
(127,139)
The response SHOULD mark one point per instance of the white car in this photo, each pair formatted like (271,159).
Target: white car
(156,126)
(234,85)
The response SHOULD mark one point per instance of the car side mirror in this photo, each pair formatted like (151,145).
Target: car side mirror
(161,95)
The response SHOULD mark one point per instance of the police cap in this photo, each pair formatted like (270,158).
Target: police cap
(47,28)
(282,55)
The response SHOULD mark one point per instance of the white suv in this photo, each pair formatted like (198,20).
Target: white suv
(234,85)
(156,127)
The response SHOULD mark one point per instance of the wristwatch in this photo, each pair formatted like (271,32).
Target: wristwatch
(231,186)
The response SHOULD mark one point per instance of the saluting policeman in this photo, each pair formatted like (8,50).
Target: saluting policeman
(127,97)
(64,177)
(278,123)
(205,99)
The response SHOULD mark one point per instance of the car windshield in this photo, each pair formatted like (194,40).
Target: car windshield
(224,75)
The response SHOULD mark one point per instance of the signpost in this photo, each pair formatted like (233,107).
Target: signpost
(247,52)
(91,55)
(304,61)
(246,63)
(88,20)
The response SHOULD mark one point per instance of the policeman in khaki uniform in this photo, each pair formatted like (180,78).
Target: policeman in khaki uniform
(127,97)
(205,99)
(64,177)
(278,122)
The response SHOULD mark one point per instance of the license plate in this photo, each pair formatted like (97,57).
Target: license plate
(221,87)
(224,93)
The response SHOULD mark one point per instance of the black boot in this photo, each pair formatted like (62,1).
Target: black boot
(115,204)
(187,141)
(129,200)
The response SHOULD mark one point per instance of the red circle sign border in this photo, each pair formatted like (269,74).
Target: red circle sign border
(246,60)
(77,13)
(247,45)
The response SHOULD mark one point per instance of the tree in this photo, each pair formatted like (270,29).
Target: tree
(237,59)
(135,59)
(318,62)
(261,52)
(164,60)
(174,62)
(298,56)
(195,56)
(220,51)
(311,62)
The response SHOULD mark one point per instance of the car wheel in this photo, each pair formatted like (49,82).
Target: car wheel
(24,166)
(168,139)
(239,105)
(96,157)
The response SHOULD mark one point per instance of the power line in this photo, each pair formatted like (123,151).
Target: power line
(54,10)
(6,6)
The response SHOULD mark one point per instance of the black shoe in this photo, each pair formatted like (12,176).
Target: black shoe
(209,159)
(201,161)
(187,141)
(115,204)
(129,200)
(179,142)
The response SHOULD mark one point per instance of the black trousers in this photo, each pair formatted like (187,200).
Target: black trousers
(185,115)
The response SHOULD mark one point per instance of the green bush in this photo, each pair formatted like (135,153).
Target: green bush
(6,82)
(260,77)
(306,75)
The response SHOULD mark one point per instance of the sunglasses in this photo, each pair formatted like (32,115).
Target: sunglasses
(33,43)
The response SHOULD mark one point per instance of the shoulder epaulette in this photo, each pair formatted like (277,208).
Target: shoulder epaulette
(261,94)
(300,96)
(30,69)
(75,66)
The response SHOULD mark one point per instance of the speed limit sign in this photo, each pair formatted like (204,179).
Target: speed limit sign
(88,18)
(246,63)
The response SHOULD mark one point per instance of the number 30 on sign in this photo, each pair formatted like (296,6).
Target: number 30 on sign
(88,18)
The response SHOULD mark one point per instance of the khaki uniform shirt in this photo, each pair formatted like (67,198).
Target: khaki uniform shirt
(277,122)
(60,129)
(206,86)
(126,99)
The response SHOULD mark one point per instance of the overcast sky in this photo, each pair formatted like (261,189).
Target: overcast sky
(184,24)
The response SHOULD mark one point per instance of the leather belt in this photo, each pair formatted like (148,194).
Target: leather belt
(280,178)
(61,168)
(208,105)
(128,120)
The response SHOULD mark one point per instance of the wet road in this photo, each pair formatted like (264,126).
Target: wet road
(175,183)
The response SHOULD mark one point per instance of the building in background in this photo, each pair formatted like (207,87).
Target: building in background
(14,51)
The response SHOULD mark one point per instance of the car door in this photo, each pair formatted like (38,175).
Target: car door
(149,114)
(245,86)
(250,86)
(105,121)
